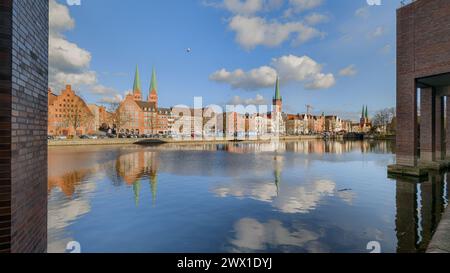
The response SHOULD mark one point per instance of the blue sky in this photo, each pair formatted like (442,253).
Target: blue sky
(334,55)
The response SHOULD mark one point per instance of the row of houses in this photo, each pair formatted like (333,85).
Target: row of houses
(69,115)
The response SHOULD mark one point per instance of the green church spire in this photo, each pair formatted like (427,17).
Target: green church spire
(137,191)
(367,112)
(154,83)
(137,82)
(277,90)
(362,112)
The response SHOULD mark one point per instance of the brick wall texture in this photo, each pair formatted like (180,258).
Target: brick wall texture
(423,49)
(23,125)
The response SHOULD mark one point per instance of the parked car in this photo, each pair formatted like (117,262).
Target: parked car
(84,137)
(50,137)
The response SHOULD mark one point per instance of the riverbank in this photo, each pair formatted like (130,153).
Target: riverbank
(134,141)
(441,238)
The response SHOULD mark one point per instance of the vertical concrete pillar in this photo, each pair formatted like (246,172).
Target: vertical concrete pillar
(407,130)
(427,125)
(23,125)
(439,147)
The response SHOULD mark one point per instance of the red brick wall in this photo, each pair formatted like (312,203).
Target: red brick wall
(423,49)
(23,125)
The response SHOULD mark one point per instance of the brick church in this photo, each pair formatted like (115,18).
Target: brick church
(139,116)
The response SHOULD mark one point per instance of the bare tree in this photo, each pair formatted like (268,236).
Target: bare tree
(77,116)
(383,118)
(118,118)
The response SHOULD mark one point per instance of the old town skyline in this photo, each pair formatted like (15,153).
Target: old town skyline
(139,113)
(228,66)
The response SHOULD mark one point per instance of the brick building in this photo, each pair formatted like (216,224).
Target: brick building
(23,125)
(69,115)
(365,125)
(138,116)
(102,118)
(423,68)
(333,124)
(297,124)
(316,124)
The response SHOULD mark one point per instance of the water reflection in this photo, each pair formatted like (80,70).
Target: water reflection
(252,235)
(135,167)
(420,205)
(307,196)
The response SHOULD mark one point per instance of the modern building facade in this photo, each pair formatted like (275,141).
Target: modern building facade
(23,125)
(423,69)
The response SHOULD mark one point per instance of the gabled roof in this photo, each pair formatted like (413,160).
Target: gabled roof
(146,105)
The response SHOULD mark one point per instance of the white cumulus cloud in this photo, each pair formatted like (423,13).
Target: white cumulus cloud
(261,77)
(258,100)
(67,56)
(292,68)
(255,31)
(68,62)
(289,68)
(60,19)
(111,99)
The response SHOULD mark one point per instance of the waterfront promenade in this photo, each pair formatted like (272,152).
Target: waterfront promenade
(129,141)
(441,239)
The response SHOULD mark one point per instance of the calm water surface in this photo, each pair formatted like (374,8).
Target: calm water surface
(307,196)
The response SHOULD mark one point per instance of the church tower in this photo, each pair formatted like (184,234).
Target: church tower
(153,92)
(277,99)
(137,94)
(362,120)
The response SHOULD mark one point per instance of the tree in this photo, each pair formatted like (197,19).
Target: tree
(77,115)
(383,118)
(118,118)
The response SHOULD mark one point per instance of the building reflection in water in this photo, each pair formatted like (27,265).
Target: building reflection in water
(420,205)
(130,167)
(135,167)
(68,182)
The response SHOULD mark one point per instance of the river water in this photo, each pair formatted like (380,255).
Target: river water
(305,196)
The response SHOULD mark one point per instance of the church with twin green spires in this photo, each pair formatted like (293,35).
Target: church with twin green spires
(139,116)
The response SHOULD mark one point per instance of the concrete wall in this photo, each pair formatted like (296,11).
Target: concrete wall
(23,125)
(423,49)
